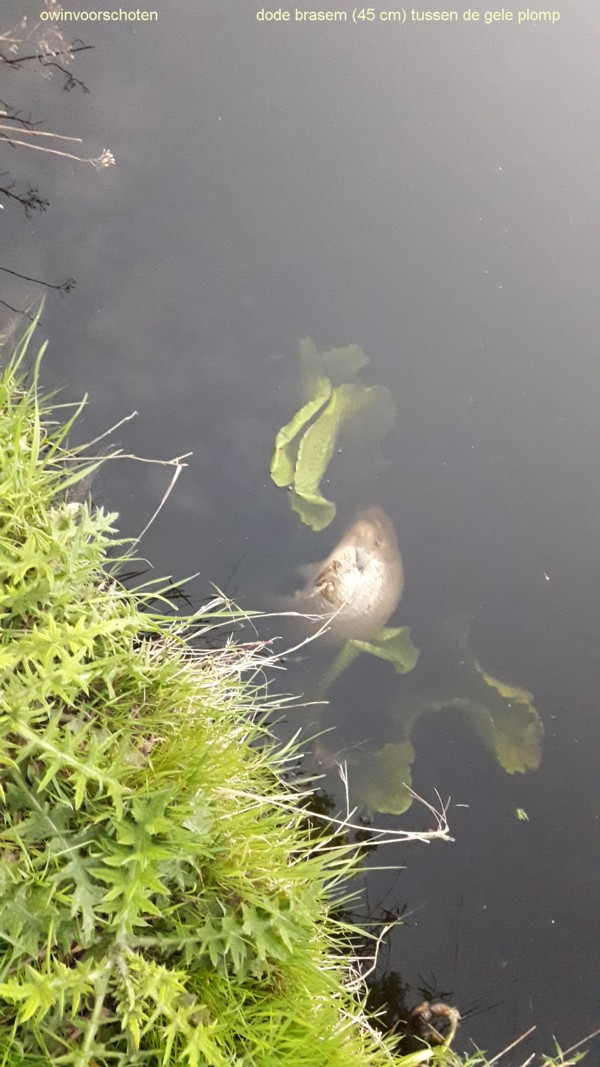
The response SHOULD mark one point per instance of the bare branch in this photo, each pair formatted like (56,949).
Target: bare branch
(105,159)
(29,198)
(44,54)
(63,288)
(38,133)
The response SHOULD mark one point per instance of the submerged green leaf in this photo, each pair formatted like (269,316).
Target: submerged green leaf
(337,364)
(287,441)
(304,448)
(510,729)
(392,643)
(513,728)
(319,441)
(314,510)
(503,716)
(383,778)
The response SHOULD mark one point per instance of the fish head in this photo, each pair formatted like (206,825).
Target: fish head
(360,583)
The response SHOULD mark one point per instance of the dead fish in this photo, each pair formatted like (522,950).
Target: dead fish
(360,582)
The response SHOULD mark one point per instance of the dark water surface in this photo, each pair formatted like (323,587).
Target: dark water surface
(430,193)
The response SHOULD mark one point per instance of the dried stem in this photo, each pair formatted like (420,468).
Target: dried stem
(105,159)
(36,133)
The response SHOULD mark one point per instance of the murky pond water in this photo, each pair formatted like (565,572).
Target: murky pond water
(427,192)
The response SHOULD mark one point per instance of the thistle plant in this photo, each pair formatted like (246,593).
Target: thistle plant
(161,900)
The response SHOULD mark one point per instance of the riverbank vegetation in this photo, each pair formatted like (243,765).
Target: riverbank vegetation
(162,899)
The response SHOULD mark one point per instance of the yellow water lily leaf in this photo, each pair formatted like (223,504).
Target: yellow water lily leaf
(509,692)
(504,716)
(305,445)
(382,779)
(392,643)
(337,364)
(511,729)
(319,442)
(287,442)
(314,510)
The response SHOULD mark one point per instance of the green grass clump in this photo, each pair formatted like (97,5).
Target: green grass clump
(161,901)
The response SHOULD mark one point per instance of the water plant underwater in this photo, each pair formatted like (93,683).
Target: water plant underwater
(333,400)
(503,716)
(162,899)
